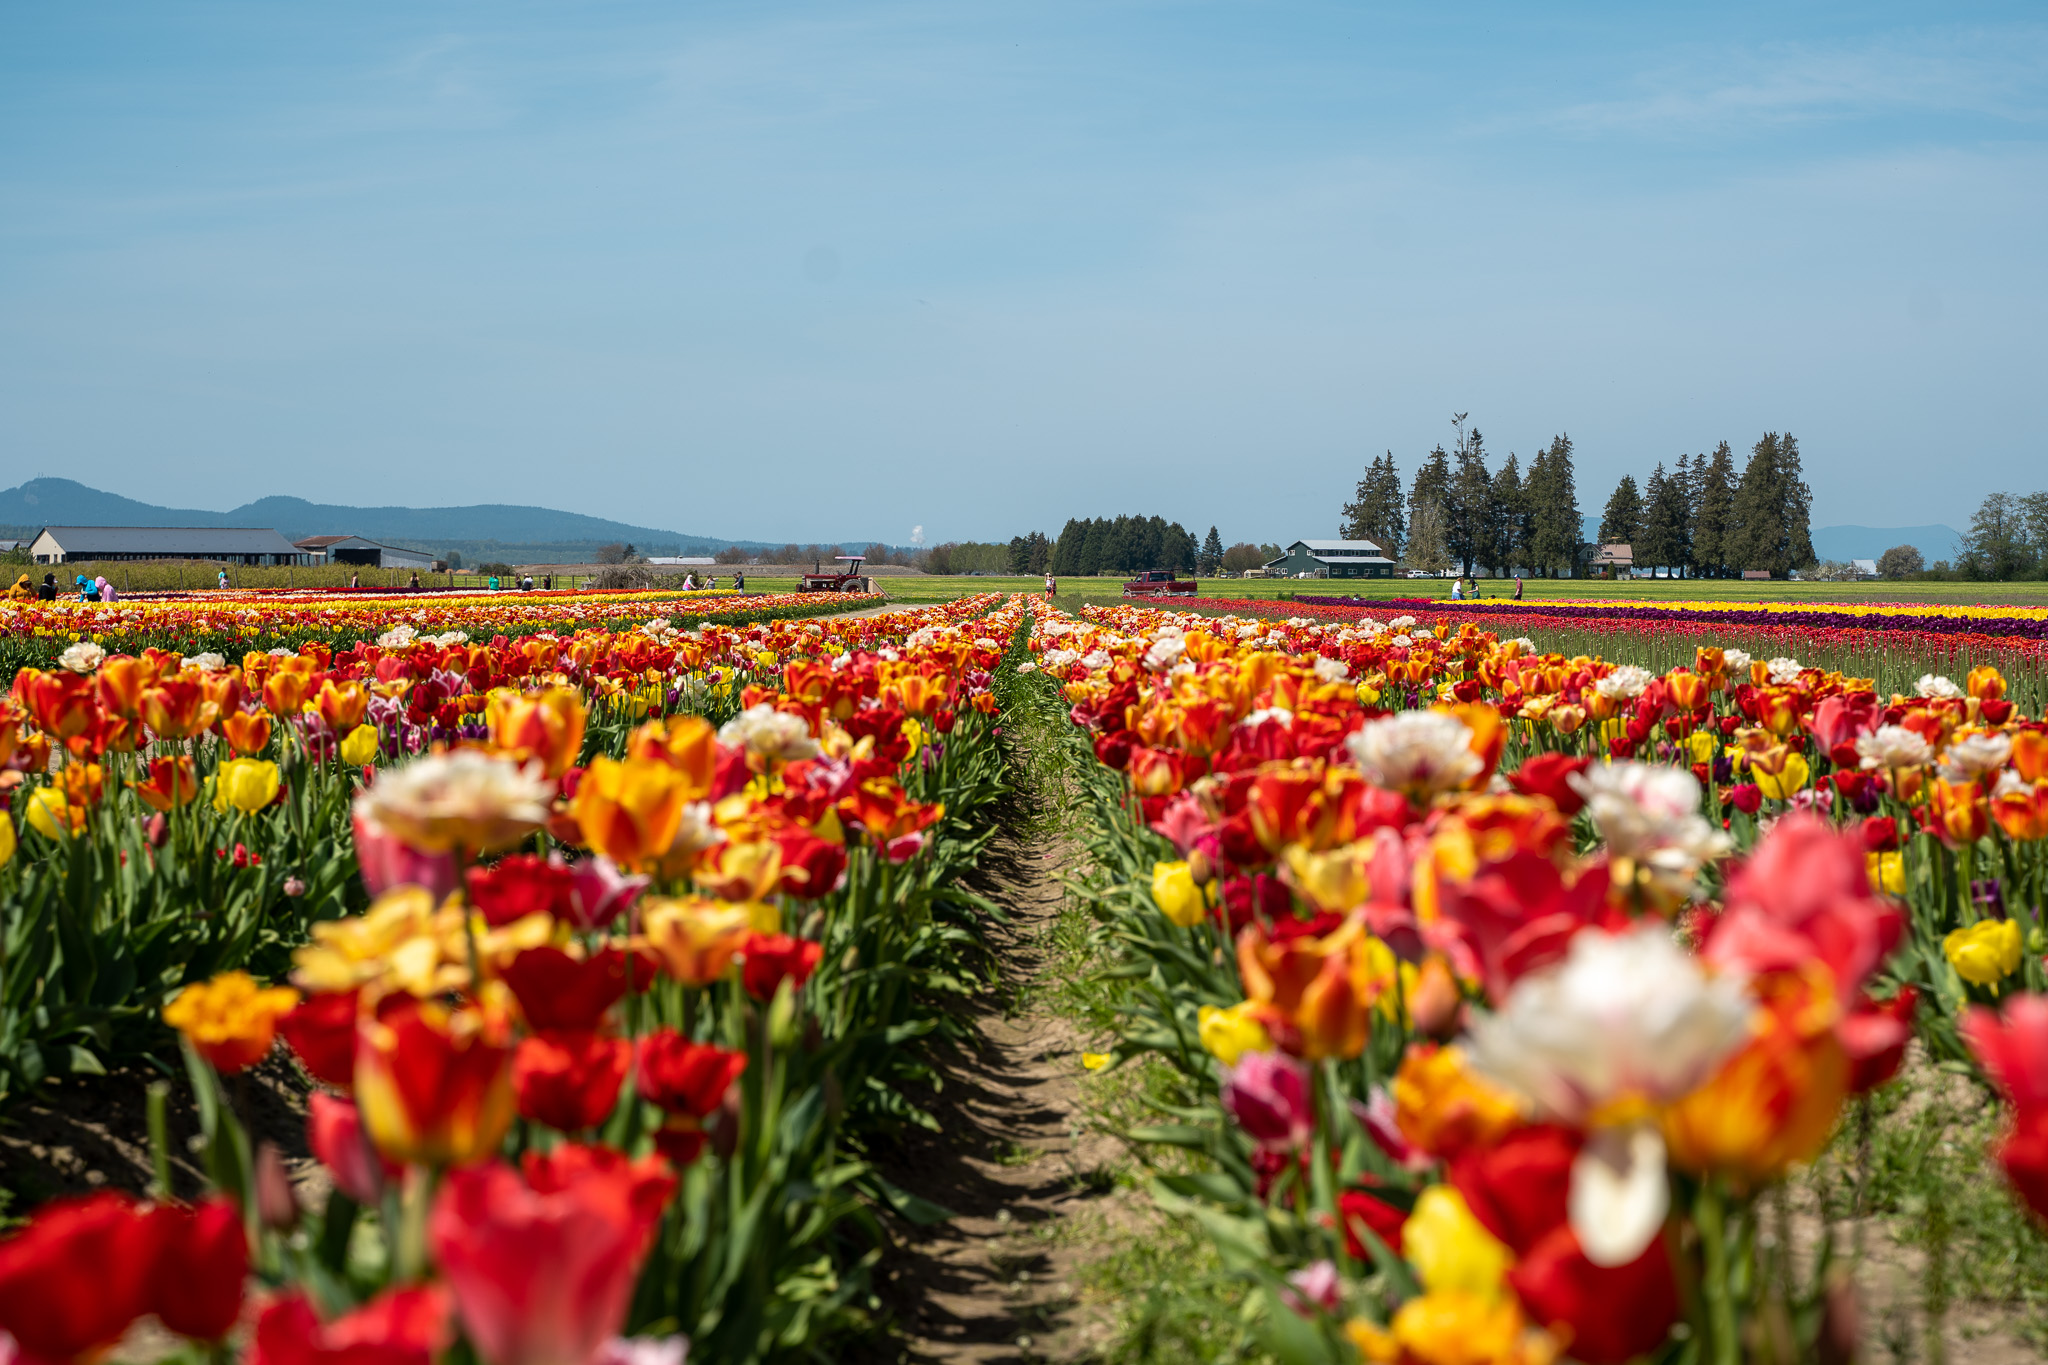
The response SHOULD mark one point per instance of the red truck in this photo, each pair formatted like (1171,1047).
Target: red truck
(1159,583)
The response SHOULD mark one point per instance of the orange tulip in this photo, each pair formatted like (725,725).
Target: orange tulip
(342,705)
(546,727)
(225,690)
(284,691)
(695,939)
(1985,683)
(2030,752)
(1776,1100)
(1689,691)
(1444,1107)
(434,1085)
(171,782)
(1959,811)
(63,703)
(121,680)
(1314,995)
(2023,814)
(247,731)
(178,709)
(628,810)
(230,1021)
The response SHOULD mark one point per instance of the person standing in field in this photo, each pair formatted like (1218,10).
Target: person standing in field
(1518,587)
(223,583)
(1051,585)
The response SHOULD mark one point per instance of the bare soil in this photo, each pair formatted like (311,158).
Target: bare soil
(1016,1159)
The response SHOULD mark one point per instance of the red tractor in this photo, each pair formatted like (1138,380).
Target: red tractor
(1159,583)
(848,579)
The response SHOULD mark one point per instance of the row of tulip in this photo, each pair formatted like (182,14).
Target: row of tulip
(34,634)
(601,1001)
(1894,648)
(1510,987)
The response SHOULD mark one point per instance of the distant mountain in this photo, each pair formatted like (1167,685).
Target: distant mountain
(1855,542)
(489,530)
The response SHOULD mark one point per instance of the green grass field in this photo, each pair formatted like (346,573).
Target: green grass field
(921,588)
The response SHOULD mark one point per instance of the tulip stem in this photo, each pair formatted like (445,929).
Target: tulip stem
(1723,1346)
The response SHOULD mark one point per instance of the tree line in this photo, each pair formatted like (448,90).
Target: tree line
(2007,540)
(1700,519)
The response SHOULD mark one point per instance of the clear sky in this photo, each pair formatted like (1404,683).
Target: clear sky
(839,270)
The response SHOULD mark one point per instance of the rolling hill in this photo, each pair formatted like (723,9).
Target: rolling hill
(487,530)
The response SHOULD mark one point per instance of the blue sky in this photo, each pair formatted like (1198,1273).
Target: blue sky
(785,270)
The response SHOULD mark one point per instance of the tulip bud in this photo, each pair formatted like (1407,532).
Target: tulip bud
(782,1015)
(1435,1002)
(157,830)
(294,887)
(276,1203)
(1201,867)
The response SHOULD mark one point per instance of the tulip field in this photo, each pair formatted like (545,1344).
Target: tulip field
(1509,970)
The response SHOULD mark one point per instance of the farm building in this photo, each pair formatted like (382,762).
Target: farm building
(1332,559)
(222,544)
(1620,558)
(368,553)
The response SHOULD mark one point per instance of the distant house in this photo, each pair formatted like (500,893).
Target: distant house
(1865,568)
(1620,558)
(368,553)
(1332,559)
(676,561)
(229,545)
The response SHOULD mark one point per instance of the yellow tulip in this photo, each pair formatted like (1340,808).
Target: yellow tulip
(360,747)
(247,784)
(1450,1249)
(1229,1034)
(1095,1061)
(7,841)
(1887,872)
(49,814)
(1701,745)
(1175,892)
(1985,953)
(1780,786)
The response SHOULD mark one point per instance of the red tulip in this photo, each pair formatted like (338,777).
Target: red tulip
(399,1327)
(521,885)
(2012,1047)
(1875,1038)
(542,1268)
(73,1281)
(769,959)
(557,991)
(335,1133)
(1270,1096)
(1517,1186)
(1804,894)
(569,1080)
(811,867)
(321,1029)
(1549,775)
(1362,1208)
(1605,1315)
(197,1287)
(686,1077)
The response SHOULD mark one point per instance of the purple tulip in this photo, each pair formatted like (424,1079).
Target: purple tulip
(1268,1094)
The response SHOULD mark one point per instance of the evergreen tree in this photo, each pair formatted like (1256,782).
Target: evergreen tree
(1468,505)
(1378,513)
(1622,522)
(1756,536)
(1552,494)
(1428,547)
(1713,510)
(1510,518)
(1795,504)
(1212,553)
(1066,554)
(1664,539)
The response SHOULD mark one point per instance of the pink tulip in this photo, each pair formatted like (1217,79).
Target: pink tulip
(600,892)
(542,1267)
(334,1130)
(1268,1094)
(387,862)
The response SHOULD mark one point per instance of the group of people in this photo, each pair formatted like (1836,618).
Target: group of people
(1459,592)
(690,583)
(89,589)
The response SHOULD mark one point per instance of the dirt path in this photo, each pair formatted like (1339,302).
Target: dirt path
(1016,1160)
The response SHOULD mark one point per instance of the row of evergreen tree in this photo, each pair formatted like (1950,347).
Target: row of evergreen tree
(1702,519)
(1124,545)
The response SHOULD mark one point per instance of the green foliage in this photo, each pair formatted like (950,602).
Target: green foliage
(1378,513)
(1123,545)
(1622,520)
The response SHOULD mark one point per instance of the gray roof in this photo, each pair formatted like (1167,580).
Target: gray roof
(1339,547)
(183,540)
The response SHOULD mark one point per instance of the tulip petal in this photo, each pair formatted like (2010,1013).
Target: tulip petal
(1619,1194)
